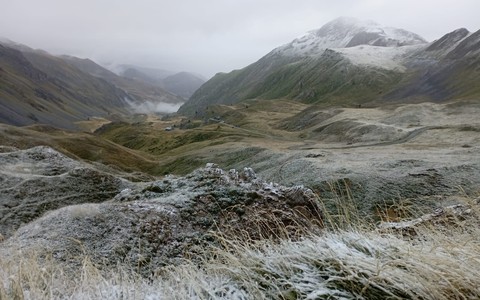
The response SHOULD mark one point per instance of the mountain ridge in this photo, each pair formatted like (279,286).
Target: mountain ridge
(182,84)
(139,91)
(29,94)
(37,87)
(357,69)
(345,32)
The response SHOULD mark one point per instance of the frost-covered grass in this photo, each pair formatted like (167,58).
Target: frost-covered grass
(437,259)
(353,264)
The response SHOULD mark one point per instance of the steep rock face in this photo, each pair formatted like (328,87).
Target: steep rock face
(448,41)
(468,47)
(159,223)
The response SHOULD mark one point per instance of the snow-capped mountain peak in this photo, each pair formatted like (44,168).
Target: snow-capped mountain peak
(348,32)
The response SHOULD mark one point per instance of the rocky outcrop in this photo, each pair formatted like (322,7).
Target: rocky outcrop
(150,225)
(41,179)
(453,215)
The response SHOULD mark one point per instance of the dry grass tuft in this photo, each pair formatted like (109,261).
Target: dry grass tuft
(441,261)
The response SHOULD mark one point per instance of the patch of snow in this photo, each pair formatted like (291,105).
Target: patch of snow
(389,58)
(404,37)
(340,32)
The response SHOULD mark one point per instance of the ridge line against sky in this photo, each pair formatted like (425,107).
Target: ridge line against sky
(207,36)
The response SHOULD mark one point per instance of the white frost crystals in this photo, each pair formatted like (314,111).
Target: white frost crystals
(148,225)
(334,265)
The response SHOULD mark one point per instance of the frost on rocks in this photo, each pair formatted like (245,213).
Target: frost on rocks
(443,215)
(150,225)
(40,179)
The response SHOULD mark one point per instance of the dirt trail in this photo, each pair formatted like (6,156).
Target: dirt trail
(410,136)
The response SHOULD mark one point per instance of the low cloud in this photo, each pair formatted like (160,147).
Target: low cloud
(154,107)
(174,35)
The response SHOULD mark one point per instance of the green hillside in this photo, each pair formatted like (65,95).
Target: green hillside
(440,71)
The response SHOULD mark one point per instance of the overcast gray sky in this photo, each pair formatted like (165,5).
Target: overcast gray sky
(207,36)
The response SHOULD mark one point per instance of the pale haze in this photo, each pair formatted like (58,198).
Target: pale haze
(207,36)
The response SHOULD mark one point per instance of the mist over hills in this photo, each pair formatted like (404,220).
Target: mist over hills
(140,91)
(352,62)
(37,87)
(182,84)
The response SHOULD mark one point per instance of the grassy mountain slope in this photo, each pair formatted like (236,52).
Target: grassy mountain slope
(235,86)
(82,146)
(36,87)
(329,79)
(89,89)
(444,70)
(50,91)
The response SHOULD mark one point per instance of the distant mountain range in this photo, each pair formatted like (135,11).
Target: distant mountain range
(182,84)
(349,62)
(37,87)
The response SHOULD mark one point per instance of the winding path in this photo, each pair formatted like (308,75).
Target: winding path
(411,135)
